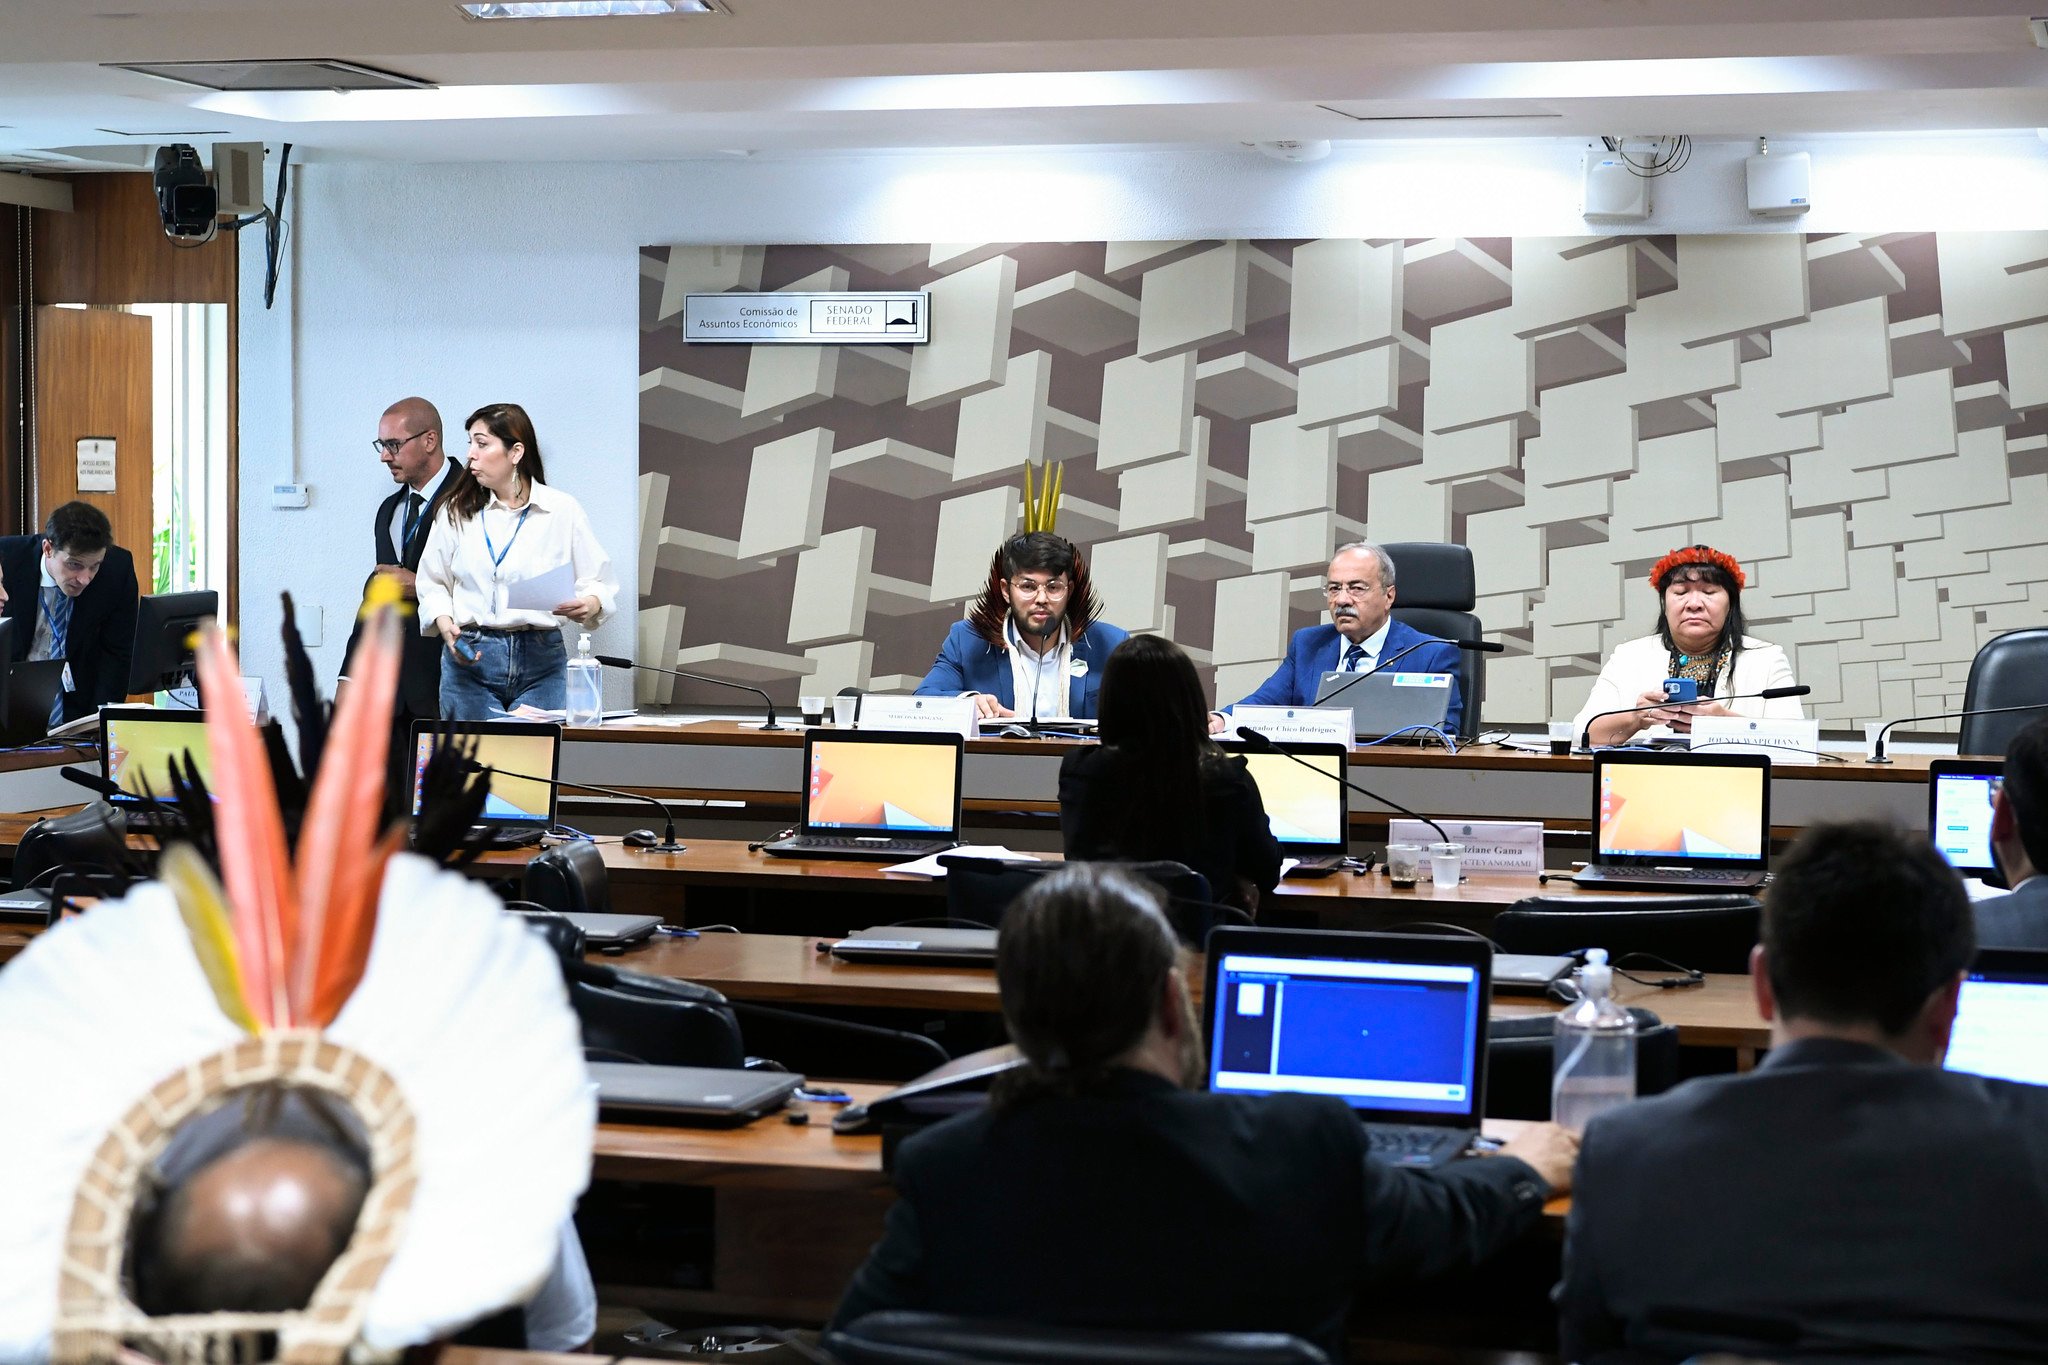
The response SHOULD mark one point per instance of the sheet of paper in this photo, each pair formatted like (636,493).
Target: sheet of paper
(543,591)
(931,867)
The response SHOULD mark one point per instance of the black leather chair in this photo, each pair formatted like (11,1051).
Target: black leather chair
(904,1338)
(1706,933)
(564,936)
(1521,1055)
(90,843)
(981,890)
(657,1020)
(2011,670)
(1434,592)
(569,879)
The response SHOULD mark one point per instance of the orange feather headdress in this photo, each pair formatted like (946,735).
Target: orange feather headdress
(1703,555)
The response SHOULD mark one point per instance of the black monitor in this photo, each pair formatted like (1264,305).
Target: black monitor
(163,638)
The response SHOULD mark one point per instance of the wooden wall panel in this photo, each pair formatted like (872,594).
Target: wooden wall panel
(93,379)
(111,248)
(13,323)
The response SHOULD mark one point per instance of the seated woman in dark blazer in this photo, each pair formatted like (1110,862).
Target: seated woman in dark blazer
(1158,787)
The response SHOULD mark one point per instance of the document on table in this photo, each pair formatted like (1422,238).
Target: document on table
(932,867)
(542,592)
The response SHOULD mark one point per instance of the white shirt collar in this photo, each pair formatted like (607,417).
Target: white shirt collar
(435,484)
(539,496)
(1375,643)
(1015,639)
(43,563)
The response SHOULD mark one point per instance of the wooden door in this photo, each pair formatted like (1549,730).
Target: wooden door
(93,374)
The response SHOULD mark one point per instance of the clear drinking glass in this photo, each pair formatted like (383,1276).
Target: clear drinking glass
(1404,863)
(1444,860)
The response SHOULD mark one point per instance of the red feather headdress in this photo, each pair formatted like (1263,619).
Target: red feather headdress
(1704,555)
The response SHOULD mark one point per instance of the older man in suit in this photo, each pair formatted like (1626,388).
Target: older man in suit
(1360,636)
(71,593)
(1848,1198)
(2019,841)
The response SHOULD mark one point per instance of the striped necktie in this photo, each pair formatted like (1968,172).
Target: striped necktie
(1353,657)
(58,606)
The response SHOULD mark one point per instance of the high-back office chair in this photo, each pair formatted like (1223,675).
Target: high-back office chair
(656,1020)
(91,842)
(564,936)
(1521,1057)
(1705,933)
(569,879)
(1434,592)
(981,890)
(2011,670)
(905,1338)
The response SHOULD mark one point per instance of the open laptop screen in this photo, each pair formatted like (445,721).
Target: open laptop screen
(2002,1020)
(1393,1039)
(516,753)
(1689,809)
(140,742)
(1305,805)
(1959,797)
(899,786)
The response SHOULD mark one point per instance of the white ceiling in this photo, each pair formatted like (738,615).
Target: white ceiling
(781,76)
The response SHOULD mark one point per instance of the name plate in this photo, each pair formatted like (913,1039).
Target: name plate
(808,319)
(1510,846)
(1298,724)
(1786,741)
(947,715)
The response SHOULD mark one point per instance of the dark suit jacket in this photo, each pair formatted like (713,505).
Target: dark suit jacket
(101,639)
(1234,839)
(968,663)
(419,675)
(1838,1187)
(1145,1206)
(2016,921)
(1316,650)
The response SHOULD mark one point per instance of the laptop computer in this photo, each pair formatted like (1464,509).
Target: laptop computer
(1385,704)
(938,947)
(2002,1019)
(1679,821)
(877,795)
(1306,806)
(1392,1024)
(519,808)
(138,744)
(32,689)
(1959,796)
(714,1096)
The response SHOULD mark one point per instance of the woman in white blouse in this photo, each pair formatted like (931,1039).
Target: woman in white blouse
(500,526)
(1699,636)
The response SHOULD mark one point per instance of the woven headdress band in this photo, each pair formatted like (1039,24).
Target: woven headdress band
(1703,555)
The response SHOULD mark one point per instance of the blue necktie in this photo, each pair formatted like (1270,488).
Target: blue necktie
(1352,658)
(58,606)
(414,504)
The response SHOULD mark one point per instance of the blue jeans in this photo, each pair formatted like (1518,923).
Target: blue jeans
(529,666)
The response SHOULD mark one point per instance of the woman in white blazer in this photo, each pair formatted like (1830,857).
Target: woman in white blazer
(1699,636)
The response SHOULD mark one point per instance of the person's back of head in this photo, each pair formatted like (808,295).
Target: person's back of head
(1866,934)
(1088,969)
(2020,824)
(1152,712)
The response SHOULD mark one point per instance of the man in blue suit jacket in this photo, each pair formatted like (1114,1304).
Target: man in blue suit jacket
(2019,841)
(1032,646)
(1361,635)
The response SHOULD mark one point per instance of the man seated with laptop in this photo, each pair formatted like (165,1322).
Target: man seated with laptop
(1102,1189)
(1324,663)
(2019,845)
(1849,1197)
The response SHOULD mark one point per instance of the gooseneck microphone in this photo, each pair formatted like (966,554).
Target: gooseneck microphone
(1768,694)
(616,661)
(668,842)
(1877,750)
(1266,745)
(1471,646)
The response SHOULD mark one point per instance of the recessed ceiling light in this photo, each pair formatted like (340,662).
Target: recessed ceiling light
(589,9)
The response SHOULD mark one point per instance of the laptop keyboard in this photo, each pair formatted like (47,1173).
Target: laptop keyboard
(1411,1145)
(869,845)
(1705,876)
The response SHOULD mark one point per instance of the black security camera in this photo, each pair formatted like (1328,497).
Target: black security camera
(185,199)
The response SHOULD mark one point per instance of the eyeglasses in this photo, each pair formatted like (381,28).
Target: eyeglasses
(1335,590)
(393,446)
(1053,591)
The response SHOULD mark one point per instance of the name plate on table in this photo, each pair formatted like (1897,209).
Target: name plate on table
(946,715)
(1787,741)
(1510,846)
(1297,724)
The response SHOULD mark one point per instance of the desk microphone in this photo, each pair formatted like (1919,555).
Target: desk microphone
(668,842)
(1266,745)
(616,661)
(93,782)
(1877,750)
(1768,694)
(1473,646)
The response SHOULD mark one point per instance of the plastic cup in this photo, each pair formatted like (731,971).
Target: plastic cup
(1561,737)
(1404,863)
(813,709)
(1444,861)
(843,710)
(1870,732)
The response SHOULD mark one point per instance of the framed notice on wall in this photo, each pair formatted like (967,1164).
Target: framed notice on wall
(96,464)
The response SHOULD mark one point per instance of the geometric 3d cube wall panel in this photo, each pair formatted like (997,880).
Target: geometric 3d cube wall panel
(1862,419)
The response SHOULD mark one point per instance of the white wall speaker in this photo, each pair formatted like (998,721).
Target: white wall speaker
(1614,192)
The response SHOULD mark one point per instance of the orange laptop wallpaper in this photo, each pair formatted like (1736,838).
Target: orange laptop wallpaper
(882,786)
(1695,812)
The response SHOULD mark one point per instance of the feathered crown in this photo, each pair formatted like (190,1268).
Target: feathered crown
(1040,511)
(1703,555)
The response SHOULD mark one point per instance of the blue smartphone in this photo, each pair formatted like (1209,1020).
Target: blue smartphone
(464,650)
(1682,690)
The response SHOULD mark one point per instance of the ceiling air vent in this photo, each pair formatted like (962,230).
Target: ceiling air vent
(291,73)
(1441,111)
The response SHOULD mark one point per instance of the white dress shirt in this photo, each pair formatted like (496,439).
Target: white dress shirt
(1375,644)
(1043,675)
(434,485)
(458,577)
(1639,665)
